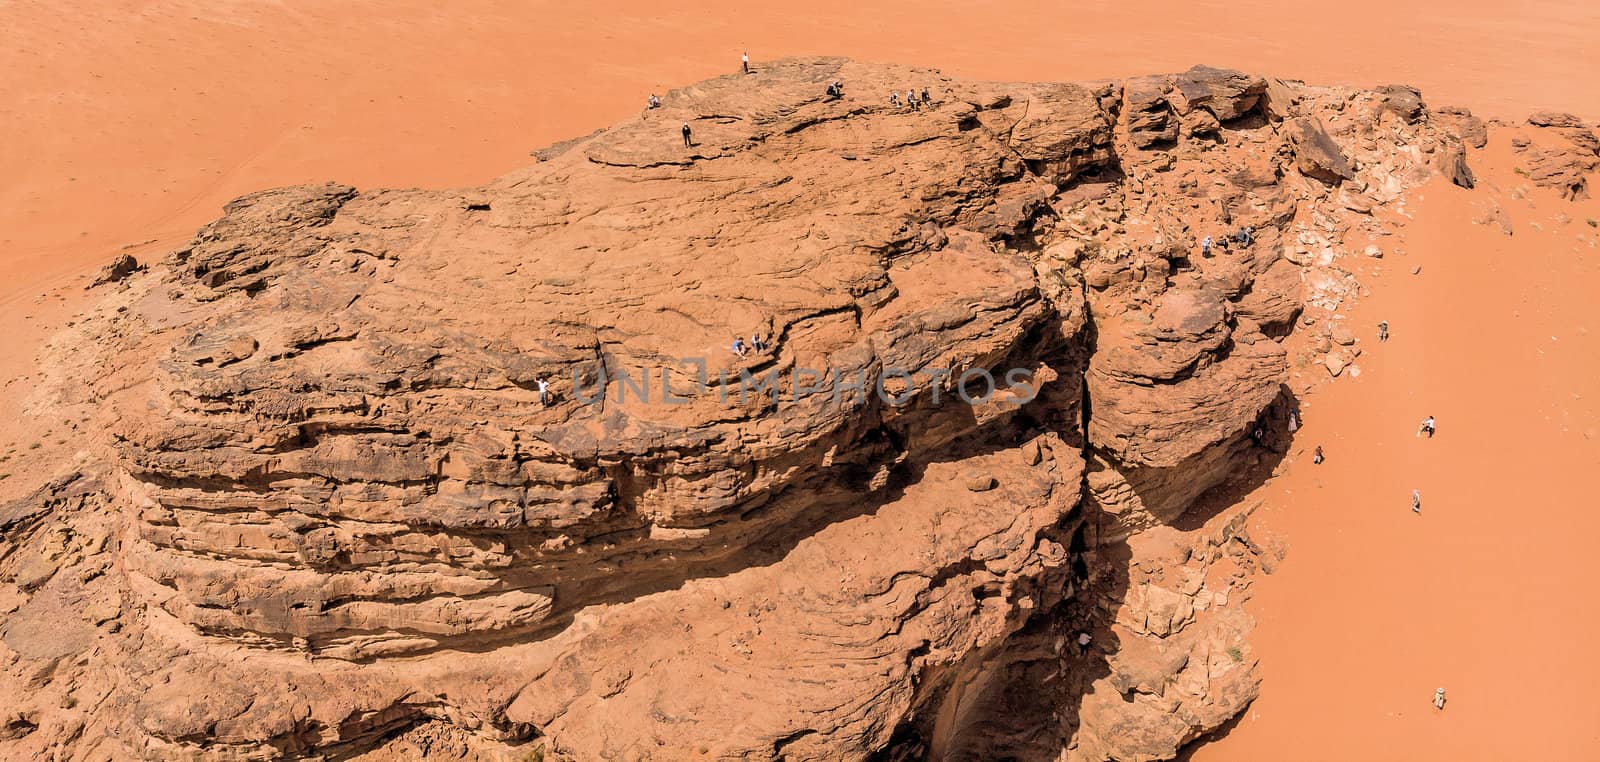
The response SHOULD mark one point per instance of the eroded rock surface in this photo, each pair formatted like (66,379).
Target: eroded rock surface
(328,513)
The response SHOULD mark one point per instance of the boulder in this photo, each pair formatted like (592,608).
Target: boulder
(1225,93)
(1461,123)
(1316,154)
(1403,101)
(1555,119)
(119,269)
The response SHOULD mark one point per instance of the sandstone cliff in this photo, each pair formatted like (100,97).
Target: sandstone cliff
(326,514)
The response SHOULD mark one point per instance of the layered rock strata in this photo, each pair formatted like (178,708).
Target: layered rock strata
(381,470)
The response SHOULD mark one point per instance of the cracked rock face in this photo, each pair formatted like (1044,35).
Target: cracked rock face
(382,471)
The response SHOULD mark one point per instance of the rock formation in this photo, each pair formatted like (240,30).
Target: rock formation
(327,513)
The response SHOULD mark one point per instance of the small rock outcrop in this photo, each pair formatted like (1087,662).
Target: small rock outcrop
(851,412)
(1561,155)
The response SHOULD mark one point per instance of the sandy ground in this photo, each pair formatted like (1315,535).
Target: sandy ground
(128,123)
(1485,592)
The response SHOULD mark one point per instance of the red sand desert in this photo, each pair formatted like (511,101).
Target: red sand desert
(129,124)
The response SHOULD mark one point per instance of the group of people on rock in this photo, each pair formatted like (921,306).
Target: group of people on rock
(913,102)
(1245,236)
(757,343)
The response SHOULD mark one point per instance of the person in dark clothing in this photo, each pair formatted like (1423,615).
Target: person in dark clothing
(687,142)
(1383,330)
(925,99)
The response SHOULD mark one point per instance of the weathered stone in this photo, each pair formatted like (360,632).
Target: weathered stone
(982,483)
(1335,363)
(1404,101)
(120,268)
(1316,155)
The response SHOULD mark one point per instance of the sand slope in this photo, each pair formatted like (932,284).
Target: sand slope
(1486,592)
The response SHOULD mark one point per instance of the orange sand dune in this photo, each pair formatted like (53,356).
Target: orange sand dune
(129,122)
(1487,592)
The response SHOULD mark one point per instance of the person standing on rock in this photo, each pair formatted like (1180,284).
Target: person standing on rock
(1426,427)
(687,141)
(1294,423)
(745,61)
(1383,330)
(1084,639)
(1416,501)
(544,391)
(1316,457)
(925,99)
(1438,699)
(1205,247)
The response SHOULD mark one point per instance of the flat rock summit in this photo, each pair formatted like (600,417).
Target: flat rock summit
(476,474)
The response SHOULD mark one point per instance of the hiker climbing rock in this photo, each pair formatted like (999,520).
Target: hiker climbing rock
(1438,699)
(1383,330)
(1416,501)
(1316,457)
(1426,427)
